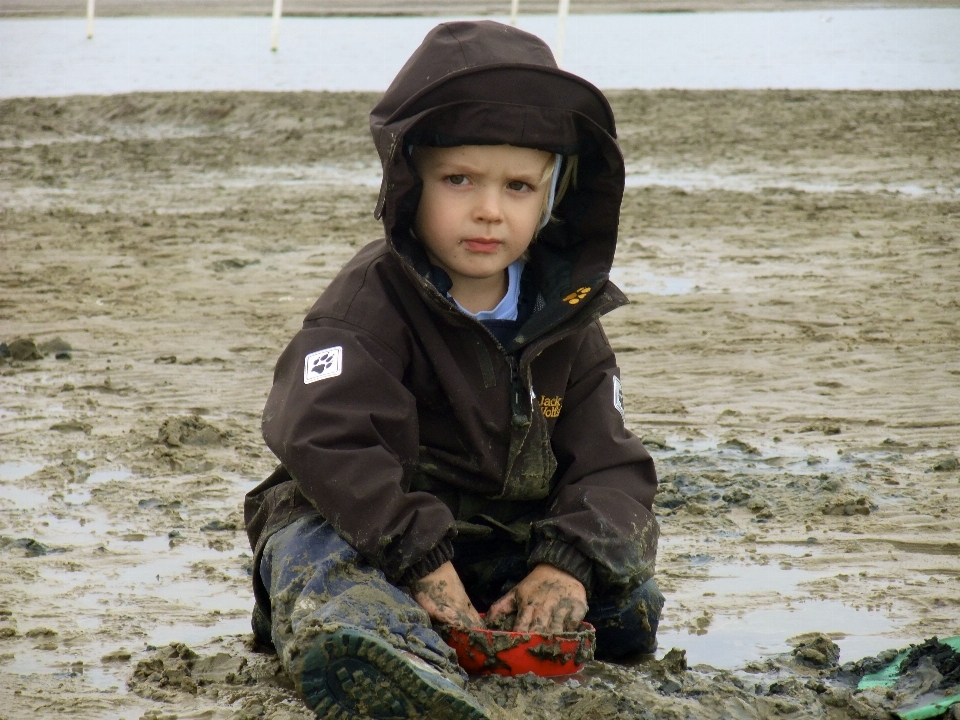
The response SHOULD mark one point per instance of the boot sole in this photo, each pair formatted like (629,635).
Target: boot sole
(349,675)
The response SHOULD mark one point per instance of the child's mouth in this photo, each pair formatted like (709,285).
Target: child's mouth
(482,245)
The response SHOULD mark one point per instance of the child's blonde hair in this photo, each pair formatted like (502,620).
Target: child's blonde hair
(568,179)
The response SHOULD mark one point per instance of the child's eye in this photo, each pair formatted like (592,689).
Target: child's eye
(517,185)
(457,179)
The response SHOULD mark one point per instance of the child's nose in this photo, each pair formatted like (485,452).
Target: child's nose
(488,208)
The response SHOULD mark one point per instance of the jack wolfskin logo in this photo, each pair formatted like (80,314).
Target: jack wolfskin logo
(618,395)
(550,407)
(576,296)
(322,364)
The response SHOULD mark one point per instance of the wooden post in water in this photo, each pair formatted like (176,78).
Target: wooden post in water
(89,19)
(275,32)
(514,9)
(562,13)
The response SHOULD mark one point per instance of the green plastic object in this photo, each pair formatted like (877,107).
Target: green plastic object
(889,675)
(934,710)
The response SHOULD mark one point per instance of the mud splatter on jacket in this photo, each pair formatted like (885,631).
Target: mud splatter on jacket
(401,420)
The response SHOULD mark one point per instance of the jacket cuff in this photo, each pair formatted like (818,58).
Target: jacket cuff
(442,553)
(565,557)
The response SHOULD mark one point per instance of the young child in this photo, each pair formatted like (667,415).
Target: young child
(450,419)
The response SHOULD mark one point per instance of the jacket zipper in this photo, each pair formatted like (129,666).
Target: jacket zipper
(520,417)
(519,394)
(520,412)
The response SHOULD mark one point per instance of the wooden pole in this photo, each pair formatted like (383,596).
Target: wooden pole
(275,32)
(514,9)
(562,12)
(89,19)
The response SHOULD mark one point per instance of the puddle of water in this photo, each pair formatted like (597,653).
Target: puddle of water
(22,498)
(754,579)
(733,641)
(199,594)
(58,664)
(61,530)
(79,497)
(795,551)
(634,280)
(168,574)
(199,634)
(102,476)
(17,470)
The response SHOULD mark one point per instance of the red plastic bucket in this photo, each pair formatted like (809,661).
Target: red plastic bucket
(503,652)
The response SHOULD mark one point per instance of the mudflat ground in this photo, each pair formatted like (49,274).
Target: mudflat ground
(791,357)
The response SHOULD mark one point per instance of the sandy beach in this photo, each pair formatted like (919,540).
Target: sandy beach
(793,258)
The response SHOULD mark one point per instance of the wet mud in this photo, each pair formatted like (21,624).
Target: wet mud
(791,358)
(944,659)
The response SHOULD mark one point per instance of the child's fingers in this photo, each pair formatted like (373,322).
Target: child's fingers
(571,613)
(567,620)
(528,619)
(561,620)
(440,613)
(469,617)
(506,605)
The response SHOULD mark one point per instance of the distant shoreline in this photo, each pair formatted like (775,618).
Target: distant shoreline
(326,8)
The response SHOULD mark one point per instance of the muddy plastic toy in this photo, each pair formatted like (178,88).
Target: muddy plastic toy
(946,658)
(504,652)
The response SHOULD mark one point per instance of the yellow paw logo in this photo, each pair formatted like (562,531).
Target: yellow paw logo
(576,296)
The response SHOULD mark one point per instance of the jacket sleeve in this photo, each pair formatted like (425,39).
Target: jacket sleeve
(599,526)
(342,422)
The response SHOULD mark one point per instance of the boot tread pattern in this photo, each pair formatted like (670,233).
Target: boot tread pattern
(349,676)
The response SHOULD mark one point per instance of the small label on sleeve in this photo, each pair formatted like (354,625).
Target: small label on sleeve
(322,364)
(618,395)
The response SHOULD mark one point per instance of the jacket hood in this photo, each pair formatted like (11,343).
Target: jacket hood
(486,83)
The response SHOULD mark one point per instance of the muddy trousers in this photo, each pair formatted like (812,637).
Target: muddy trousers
(318,584)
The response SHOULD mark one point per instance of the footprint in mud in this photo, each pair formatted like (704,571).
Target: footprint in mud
(232,676)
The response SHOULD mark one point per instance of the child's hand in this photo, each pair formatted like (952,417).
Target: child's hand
(442,595)
(548,600)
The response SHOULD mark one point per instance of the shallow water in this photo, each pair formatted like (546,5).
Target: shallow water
(102,476)
(854,49)
(96,677)
(162,585)
(21,498)
(732,640)
(17,469)
(199,634)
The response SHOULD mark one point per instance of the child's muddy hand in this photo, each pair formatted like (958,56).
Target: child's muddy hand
(548,600)
(442,595)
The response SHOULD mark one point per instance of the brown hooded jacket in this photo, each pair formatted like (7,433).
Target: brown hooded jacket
(401,420)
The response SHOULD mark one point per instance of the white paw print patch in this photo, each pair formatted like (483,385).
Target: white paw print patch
(322,364)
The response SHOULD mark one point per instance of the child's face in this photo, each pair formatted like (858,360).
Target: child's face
(480,207)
